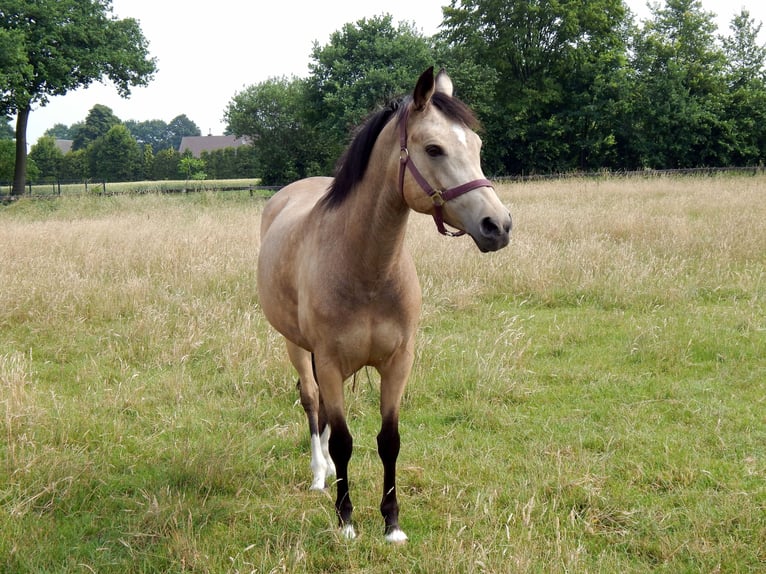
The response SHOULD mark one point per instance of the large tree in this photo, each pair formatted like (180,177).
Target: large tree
(553,73)
(677,101)
(746,95)
(98,122)
(272,114)
(115,156)
(365,64)
(60,45)
(179,127)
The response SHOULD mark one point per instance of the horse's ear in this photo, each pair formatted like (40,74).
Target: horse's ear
(424,89)
(444,83)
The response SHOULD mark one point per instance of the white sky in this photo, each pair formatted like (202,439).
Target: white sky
(207,52)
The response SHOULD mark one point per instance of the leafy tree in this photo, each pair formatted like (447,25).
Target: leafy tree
(98,122)
(6,131)
(272,114)
(745,74)
(365,64)
(115,156)
(150,132)
(553,75)
(745,57)
(50,47)
(47,157)
(191,167)
(677,96)
(7,156)
(165,164)
(179,127)
(147,162)
(74,166)
(62,131)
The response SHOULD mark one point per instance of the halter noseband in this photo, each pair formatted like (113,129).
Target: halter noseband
(439,197)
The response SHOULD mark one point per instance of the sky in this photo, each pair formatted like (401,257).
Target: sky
(207,52)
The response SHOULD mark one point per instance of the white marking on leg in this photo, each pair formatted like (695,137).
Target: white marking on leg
(325,440)
(348,532)
(318,463)
(396,537)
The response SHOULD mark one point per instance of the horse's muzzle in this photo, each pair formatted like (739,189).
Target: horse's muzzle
(493,234)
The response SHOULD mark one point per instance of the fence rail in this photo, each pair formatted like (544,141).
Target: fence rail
(75,188)
(51,189)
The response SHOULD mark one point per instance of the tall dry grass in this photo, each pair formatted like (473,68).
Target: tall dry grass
(618,242)
(588,399)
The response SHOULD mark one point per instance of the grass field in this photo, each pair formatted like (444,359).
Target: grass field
(39,190)
(591,399)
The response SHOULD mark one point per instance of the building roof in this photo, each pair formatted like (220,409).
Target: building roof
(64,145)
(198,144)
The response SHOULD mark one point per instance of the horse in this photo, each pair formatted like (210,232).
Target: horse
(336,280)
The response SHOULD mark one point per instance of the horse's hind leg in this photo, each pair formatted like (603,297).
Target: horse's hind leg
(321,463)
(392,383)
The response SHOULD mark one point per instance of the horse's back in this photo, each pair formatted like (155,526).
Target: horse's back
(293,201)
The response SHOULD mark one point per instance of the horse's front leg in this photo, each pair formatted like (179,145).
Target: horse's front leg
(340,442)
(392,382)
(321,464)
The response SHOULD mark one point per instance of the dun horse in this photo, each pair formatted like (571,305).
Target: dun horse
(336,280)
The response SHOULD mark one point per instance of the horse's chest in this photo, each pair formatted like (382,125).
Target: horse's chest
(369,329)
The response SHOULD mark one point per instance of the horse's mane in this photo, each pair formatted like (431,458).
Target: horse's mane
(352,165)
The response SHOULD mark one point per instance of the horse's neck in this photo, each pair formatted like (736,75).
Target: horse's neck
(375,218)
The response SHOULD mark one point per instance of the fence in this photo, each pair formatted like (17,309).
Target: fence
(89,187)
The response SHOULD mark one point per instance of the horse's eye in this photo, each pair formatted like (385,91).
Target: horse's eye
(434,150)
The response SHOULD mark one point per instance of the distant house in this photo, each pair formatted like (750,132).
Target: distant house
(198,144)
(65,146)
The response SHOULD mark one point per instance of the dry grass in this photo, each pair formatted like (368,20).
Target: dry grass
(590,399)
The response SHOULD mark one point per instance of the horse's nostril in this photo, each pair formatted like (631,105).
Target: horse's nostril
(489,228)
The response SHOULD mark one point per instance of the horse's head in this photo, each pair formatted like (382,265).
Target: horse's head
(440,166)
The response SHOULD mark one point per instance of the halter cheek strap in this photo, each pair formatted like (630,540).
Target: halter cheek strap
(439,197)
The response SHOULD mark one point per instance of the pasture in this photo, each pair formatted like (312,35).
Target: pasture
(590,399)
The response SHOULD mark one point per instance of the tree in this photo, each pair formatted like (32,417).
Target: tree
(272,114)
(745,74)
(6,131)
(60,45)
(62,131)
(366,64)
(115,156)
(150,132)
(165,164)
(552,72)
(191,167)
(179,127)
(677,100)
(7,153)
(98,122)
(47,157)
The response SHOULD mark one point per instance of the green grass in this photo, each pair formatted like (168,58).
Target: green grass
(161,186)
(591,399)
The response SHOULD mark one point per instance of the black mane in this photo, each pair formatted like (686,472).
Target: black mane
(352,165)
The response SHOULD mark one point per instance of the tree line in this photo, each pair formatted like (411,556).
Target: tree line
(104,148)
(559,86)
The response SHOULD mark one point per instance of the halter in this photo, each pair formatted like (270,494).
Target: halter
(439,197)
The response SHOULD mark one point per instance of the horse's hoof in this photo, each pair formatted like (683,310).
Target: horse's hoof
(348,532)
(396,536)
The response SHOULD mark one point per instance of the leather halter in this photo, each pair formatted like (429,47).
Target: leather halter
(438,196)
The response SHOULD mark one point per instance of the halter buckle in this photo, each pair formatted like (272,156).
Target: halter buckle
(437,198)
